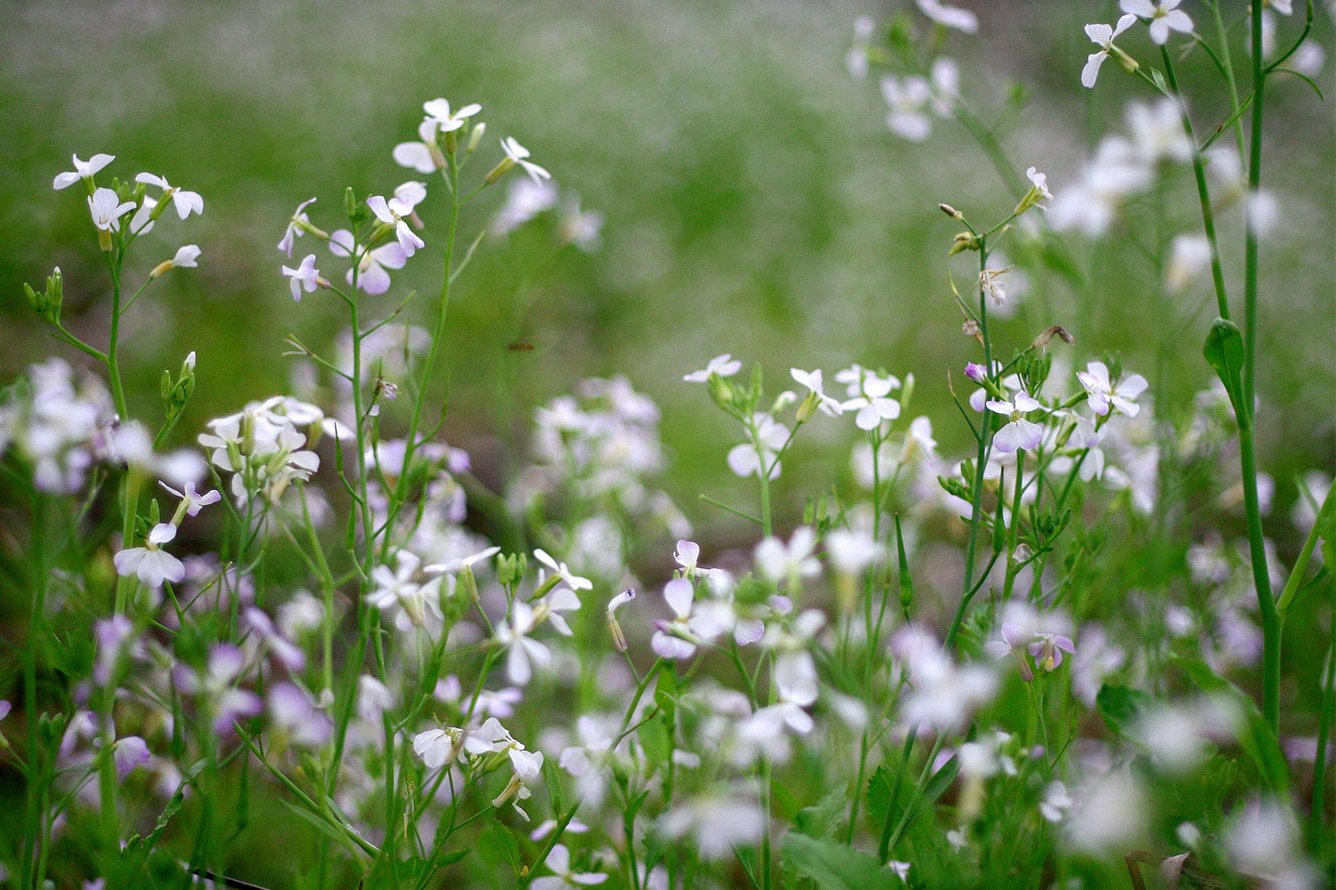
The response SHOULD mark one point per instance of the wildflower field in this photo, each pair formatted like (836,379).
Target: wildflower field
(772,445)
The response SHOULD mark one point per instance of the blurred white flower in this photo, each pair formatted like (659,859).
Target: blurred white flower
(518,154)
(856,59)
(559,862)
(949,16)
(907,98)
(1164,15)
(1189,256)
(722,365)
(294,229)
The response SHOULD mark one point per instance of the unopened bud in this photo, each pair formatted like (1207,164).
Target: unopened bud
(808,407)
(475,136)
(950,211)
(720,391)
(975,372)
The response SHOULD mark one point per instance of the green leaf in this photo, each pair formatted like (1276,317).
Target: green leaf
(941,780)
(833,866)
(1224,352)
(878,797)
(1120,706)
(552,779)
(497,845)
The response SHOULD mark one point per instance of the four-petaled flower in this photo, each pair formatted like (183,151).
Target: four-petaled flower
(392,213)
(1019,433)
(149,563)
(82,170)
(371,264)
(1102,36)
(816,397)
(304,277)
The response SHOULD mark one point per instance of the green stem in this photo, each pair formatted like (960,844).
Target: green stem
(1203,192)
(1227,66)
(1271,630)
(1317,812)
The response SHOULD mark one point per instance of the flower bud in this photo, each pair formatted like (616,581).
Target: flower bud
(475,137)
(975,372)
(963,241)
(950,211)
(720,391)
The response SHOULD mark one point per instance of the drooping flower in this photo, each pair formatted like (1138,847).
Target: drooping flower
(82,170)
(518,154)
(183,202)
(1102,36)
(294,229)
(562,571)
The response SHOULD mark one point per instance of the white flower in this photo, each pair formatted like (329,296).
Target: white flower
(1019,433)
(107,209)
(1056,802)
(779,562)
(1189,256)
(949,16)
(185,203)
(907,97)
(1157,132)
(1100,393)
(856,60)
(1115,172)
(528,766)
(392,213)
(294,229)
(517,154)
(717,821)
(305,277)
(722,365)
(440,115)
(436,747)
(674,639)
(150,564)
(850,551)
(559,862)
(1164,15)
(1102,36)
(82,170)
(396,592)
(424,156)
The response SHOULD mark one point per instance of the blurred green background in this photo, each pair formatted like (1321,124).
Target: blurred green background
(755,202)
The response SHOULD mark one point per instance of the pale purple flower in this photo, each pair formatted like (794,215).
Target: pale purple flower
(82,170)
(1101,393)
(292,711)
(294,229)
(372,265)
(392,213)
(674,639)
(129,753)
(305,277)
